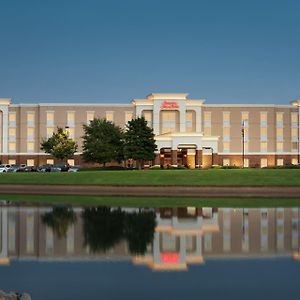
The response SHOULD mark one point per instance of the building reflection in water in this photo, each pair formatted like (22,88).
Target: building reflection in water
(162,239)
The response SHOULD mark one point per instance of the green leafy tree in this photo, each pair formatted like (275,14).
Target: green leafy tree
(102,142)
(139,230)
(139,141)
(60,145)
(102,227)
(59,219)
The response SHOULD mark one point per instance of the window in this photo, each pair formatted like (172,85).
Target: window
(71,162)
(71,239)
(263,134)
(49,241)
(30,134)
(279,162)
(226,119)
(279,146)
(294,161)
(263,119)
(279,134)
(246,162)
(263,162)
(226,147)
(294,119)
(90,115)
(71,132)
(12,161)
(11,147)
(30,232)
(30,162)
(226,134)
(30,119)
(12,117)
(279,119)
(226,162)
(169,121)
(12,134)
(109,116)
(12,231)
(294,133)
(71,118)
(30,147)
(128,116)
(50,161)
(148,117)
(190,118)
(50,131)
(245,118)
(263,146)
(50,118)
(207,123)
(294,146)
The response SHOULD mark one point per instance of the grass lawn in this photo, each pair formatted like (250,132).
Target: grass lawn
(210,177)
(154,202)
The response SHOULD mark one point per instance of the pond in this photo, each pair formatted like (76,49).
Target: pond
(97,252)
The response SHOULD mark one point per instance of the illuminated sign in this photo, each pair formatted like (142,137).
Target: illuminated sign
(169,257)
(169,104)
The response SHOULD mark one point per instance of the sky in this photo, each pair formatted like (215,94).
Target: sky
(232,51)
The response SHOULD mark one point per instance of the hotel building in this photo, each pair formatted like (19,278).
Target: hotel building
(188,132)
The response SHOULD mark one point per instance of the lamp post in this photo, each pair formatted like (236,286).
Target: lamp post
(243,143)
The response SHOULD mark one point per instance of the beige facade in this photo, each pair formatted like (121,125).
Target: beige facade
(187,131)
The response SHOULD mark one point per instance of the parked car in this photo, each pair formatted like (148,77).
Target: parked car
(29,169)
(17,168)
(60,168)
(45,168)
(4,168)
(73,169)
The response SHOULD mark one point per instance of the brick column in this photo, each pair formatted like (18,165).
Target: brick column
(157,159)
(198,158)
(174,157)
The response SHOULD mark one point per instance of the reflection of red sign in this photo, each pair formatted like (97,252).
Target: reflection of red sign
(169,104)
(169,257)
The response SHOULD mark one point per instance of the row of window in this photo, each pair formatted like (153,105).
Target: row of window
(263,162)
(90,115)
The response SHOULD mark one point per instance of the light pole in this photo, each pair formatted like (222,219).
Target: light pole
(243,143)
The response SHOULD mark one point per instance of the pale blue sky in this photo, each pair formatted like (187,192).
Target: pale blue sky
(231,51)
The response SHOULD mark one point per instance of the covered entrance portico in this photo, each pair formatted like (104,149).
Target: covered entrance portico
(183,149)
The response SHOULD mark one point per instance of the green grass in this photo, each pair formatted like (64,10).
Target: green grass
(154,202)
(210,177)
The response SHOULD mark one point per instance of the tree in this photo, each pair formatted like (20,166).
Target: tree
(139,230)
(60,145)
(102,227)
(59,219)
(102,142)
(139,141)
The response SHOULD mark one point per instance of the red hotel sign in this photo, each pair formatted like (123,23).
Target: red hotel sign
(169,104)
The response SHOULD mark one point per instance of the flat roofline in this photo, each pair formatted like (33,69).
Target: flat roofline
(249,105)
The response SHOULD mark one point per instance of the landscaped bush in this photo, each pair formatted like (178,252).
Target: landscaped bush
(154,168)
(283,167)
(230,167)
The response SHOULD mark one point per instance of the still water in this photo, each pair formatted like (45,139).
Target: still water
(64,252)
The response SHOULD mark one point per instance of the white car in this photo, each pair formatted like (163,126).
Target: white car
(4,168)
